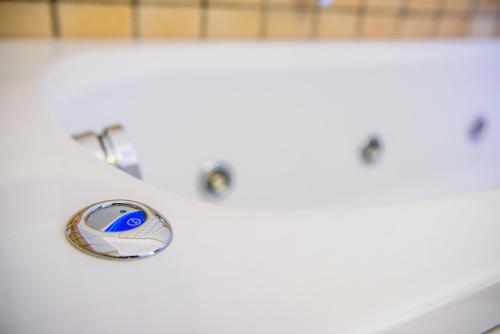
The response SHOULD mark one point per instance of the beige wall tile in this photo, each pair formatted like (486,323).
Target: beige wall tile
(95,20)
(347,3)
(286,19)
(336,25)
(452,27)
(244,2)
(416,27)
(378,26)
(483,26)
(169,22)
(293,3)
(488,4)
(25,19)
(168,2)
(457,5)
(423,4)
(288,24)
(232,23)
(119,2)
(393,5)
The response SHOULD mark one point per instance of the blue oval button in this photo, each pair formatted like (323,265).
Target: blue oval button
(127,222)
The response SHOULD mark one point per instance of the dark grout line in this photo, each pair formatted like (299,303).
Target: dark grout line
(203,19)
(438,17)
(263,17)
(360,9)
(264,7)
(54,19)
(472,12)
(473,7)
(360,22)
(134,4)
(402,14)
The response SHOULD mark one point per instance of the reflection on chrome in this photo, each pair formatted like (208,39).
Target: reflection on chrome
(119,229)
(112,146)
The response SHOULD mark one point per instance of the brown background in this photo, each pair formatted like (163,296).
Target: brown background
(250,19)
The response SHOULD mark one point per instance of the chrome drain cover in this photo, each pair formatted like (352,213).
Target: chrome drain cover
(119,229)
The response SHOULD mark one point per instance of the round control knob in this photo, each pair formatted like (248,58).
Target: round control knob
(119,229)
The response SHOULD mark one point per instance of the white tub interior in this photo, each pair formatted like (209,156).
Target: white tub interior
(291,119)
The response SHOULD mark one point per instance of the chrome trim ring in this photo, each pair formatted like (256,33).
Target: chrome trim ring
(119,229)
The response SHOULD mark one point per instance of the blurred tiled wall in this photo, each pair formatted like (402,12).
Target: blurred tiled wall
(250,19)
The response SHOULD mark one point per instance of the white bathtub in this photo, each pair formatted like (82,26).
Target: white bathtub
(311,239)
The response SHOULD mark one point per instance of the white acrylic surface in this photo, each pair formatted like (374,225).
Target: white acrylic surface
(423,266)
(292,122)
